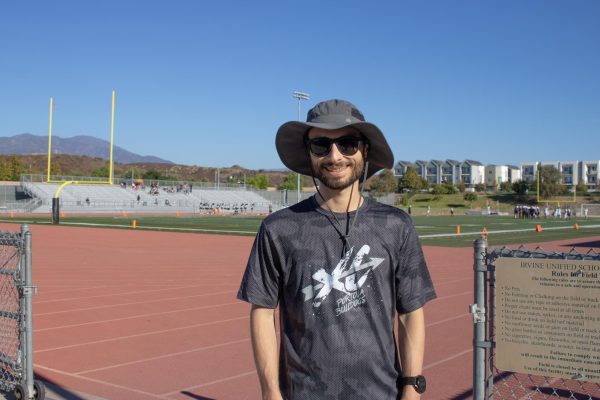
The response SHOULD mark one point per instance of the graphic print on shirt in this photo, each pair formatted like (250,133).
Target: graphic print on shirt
(348,277)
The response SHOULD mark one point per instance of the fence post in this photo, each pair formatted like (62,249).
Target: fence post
(478,311)
(27,336)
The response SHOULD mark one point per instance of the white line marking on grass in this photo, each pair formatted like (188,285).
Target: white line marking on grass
(552,228)
(158,228)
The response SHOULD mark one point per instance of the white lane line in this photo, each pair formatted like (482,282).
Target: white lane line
(214,346)
(170,312)
(181,328)
(436,363)
(110,295)
(451,296)
(100,382)
(229,378)
(133,303)
(442,321)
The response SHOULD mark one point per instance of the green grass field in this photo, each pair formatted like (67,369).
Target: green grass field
(501,230)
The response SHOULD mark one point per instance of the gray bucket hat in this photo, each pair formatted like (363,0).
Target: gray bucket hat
(330,114)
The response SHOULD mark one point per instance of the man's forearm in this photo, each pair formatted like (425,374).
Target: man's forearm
(411,344)
(264,344)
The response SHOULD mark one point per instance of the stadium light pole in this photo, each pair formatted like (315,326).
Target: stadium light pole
(300,96)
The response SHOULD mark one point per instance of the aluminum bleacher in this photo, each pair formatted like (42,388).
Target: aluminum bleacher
(90,198)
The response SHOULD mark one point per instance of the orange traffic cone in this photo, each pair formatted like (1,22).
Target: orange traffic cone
(458,229)
(538,228)
(576,227)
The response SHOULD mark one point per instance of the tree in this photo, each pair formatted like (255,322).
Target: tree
(461,186)
(384,183)
(290,182)
(258,181)
(550,181)
(520,187)
(101,172)
(4,170)
(506,186)
(470,197)
(582,188)
(16,168)
(411,180)
(154,175)
(480,187)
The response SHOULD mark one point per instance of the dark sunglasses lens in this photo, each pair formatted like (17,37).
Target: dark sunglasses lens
(320,146)
(348,145)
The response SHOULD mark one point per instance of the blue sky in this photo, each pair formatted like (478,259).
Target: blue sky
(208,83)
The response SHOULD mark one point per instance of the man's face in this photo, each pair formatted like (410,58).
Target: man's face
(336,170)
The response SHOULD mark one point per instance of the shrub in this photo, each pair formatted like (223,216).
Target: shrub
(470,197)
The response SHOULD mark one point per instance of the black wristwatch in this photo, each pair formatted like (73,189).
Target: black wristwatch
(418,382)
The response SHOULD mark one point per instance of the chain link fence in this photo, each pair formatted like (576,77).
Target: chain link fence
(16,291)
(489,382)
(10,357)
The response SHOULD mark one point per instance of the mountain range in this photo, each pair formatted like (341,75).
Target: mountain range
(82,145)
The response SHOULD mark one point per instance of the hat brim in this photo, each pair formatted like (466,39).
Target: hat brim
(294,154)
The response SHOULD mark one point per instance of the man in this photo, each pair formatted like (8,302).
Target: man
(339,267)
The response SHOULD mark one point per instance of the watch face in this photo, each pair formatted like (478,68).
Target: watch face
(420,384)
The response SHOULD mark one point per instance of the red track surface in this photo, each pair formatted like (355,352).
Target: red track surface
(124,314)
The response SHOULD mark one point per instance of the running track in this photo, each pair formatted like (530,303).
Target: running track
(123,314)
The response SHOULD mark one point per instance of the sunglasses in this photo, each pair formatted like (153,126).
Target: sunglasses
(347,145)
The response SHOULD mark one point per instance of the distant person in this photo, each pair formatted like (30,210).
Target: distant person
(451,211)
(87,201)
(409,209)
(428,212)
(585,213)
(342,269)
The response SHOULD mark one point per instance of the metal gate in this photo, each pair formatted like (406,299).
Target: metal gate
(488,381)
(16,291)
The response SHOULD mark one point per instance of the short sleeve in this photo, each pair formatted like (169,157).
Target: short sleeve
(261,282)
(414,287)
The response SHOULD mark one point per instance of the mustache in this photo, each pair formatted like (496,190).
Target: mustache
(345,163)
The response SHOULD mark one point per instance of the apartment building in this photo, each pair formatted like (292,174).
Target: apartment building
(495,175)
(588,173)
(572,172)
(436,172)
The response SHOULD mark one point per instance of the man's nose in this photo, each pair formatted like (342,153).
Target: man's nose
(334,154)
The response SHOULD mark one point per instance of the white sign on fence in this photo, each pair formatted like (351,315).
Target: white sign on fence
(548,317)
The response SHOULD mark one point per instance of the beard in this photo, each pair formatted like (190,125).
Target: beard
(358,168)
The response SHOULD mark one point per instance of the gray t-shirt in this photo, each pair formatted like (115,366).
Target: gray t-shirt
(337,311)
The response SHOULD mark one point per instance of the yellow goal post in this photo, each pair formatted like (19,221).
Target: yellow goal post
(63,183)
